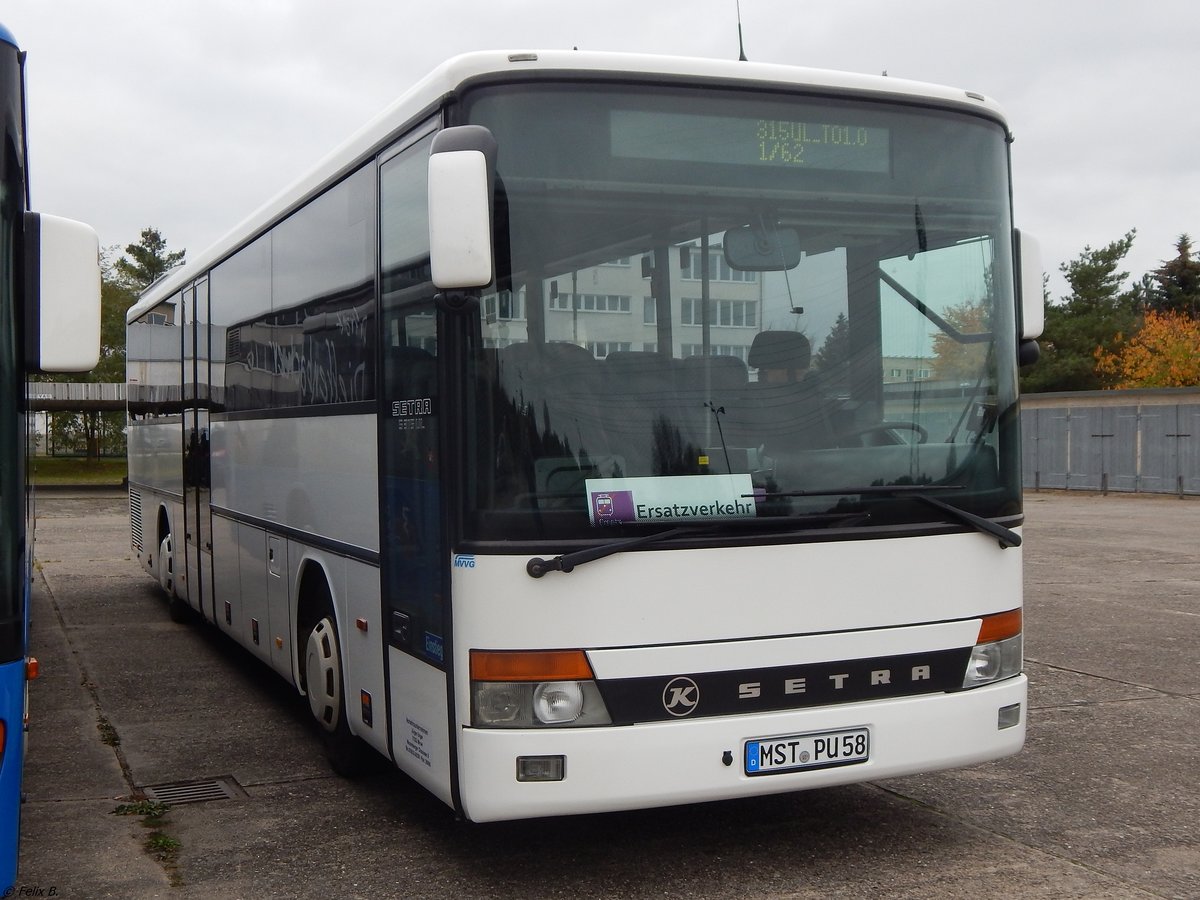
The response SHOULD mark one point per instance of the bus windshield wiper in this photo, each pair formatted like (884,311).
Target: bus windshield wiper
(1006,536)
(537,567)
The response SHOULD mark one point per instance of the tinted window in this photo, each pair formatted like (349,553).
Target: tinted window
(309,286)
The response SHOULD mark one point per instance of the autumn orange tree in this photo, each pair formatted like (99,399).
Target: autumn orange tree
(1165,352)
(958,360)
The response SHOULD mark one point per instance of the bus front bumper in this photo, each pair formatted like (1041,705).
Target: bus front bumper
(607,769)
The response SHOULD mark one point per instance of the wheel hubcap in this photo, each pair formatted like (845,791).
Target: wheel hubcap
(166,566)
(323,675)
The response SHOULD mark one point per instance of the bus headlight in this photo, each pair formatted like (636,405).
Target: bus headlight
(518,689)
(499,703)
(557,702)
(999,651)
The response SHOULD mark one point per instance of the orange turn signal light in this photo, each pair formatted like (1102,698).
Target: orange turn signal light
(530,665)
(1000,626)
(32,668)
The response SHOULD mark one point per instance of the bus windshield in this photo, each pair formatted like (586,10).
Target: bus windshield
(729,307)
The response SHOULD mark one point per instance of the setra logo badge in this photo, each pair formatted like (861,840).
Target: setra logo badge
(681,696)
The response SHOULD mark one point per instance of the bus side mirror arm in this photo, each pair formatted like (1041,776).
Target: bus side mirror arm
(462,166)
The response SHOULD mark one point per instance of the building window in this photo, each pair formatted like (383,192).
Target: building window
(601,349)
(615,303)
(726,313)
(505,306)
(735,350)
(718,268)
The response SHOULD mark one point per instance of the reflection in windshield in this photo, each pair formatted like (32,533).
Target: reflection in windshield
(664,338)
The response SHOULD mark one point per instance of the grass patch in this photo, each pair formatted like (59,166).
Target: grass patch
(76,470)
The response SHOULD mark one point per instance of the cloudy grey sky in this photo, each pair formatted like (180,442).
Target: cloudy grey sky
(188,114)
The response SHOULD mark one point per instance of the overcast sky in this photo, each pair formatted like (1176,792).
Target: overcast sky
(186,115)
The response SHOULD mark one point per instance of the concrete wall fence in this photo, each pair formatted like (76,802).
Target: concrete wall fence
(1137,441)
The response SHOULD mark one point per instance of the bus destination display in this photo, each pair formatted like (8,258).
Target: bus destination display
(780,143)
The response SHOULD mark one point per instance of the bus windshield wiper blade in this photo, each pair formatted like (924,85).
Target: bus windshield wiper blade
(1006,536)
(537,567)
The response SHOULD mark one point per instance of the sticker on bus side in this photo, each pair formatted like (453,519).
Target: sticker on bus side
(670,498)
(435,647)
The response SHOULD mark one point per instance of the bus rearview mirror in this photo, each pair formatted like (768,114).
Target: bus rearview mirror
(462,165)
(752,249)
(62,290)
(1029,283)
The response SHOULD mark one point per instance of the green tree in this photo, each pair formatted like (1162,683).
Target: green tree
(148,261)
(1176,286)
(836,347)
(1098,313)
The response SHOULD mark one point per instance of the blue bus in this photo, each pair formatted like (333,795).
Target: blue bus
(49,322)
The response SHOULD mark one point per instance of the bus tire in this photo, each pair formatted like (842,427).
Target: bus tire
(324,684)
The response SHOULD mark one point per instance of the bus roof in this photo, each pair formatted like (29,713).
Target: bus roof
(460,71)
(7,36)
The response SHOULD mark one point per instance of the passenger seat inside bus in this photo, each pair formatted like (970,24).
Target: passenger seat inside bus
(782,410)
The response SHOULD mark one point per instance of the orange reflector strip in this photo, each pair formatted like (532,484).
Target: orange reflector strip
(32,668)
(530,665)
(1000,626)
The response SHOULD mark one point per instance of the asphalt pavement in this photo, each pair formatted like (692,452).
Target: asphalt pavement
(1102,803)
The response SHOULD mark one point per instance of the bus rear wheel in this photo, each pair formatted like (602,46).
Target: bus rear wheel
(323,679)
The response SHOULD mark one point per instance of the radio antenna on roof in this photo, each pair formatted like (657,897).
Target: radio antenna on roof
(741,46)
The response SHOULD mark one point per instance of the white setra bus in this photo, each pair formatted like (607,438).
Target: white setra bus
(593,432)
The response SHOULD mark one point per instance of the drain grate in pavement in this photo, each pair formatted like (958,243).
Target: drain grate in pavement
(180,792)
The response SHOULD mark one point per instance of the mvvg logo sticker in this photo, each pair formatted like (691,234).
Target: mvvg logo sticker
(464,561)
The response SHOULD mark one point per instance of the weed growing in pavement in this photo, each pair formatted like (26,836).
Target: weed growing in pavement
(163,848)
(108,734)
(149,809)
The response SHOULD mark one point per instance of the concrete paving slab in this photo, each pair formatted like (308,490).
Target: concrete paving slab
(1051,686)
(85,851)
(1119,596)
(1109,785)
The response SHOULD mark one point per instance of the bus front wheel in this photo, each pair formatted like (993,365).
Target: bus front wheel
(323,676)
(166,566)
(166,578)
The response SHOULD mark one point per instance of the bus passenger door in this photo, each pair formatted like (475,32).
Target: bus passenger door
(413,558)
(197,471)
(411,537)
